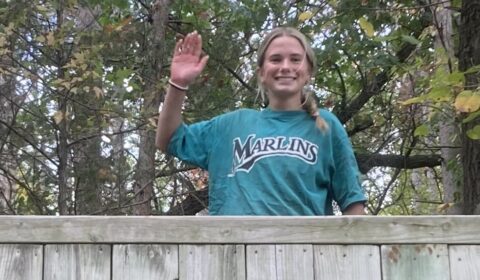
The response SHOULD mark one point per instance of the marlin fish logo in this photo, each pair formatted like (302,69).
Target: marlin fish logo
(246,154)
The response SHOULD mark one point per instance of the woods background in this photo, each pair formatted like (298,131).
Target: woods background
(81,82)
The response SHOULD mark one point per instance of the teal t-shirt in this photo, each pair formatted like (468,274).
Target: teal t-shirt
(271,162)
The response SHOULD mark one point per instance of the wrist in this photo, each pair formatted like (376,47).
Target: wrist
(177,85)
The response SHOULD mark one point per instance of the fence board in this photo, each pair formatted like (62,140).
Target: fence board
(347,262)
(77,261)
(261,262)
(415,262)
(242,230)
(146,262)
(294,261)
(21,261)
(464,262)
(212,262)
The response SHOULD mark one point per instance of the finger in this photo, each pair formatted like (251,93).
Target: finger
(197,50)
(187,44)
(203,62)
(178,48)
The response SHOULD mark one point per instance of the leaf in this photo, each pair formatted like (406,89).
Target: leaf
(471,117)
(80,57)
(456,78)
(473,69)
(366,26)
(3,41)
(414,100)
(98,92)
(467,101)
(474,133)
(40,38)
(58,116)
(440,94)
(411,40)
(50,39)
(422,130)
(305,16)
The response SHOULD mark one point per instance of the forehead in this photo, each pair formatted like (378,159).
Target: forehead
(285,45)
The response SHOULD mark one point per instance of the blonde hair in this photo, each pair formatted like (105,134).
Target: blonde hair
(309,103)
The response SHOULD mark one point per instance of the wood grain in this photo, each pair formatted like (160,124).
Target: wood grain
(77,261)
(21,261)
(145,261)
(338,262)
(242,230)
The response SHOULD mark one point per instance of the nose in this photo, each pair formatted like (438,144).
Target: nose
(285,65)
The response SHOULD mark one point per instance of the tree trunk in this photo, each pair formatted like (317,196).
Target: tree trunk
(145,171)
(449,131)
(7,114)
(120,164)
(62,146)
(469,55)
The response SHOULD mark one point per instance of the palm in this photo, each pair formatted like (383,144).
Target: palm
(187,62)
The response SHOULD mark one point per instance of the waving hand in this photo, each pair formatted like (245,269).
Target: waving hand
(187,61)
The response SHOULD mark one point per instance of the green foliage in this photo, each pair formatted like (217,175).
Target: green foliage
(86,77)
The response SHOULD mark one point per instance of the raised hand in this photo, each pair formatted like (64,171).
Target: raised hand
(187,61)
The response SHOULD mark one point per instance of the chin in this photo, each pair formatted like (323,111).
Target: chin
(285,92)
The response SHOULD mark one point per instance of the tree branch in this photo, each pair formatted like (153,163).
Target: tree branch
(368,161)
(375,86)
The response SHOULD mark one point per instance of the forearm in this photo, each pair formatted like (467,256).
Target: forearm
(170,117)
(355,209)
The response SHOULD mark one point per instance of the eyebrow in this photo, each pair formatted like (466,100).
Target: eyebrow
(293,54)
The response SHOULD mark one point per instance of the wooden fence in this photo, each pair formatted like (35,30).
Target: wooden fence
(231,248)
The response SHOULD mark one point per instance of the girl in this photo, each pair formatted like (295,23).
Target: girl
(288,159)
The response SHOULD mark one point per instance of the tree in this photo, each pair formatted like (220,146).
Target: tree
(469,56)
(89,77)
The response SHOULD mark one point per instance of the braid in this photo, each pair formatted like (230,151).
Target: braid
(310,106)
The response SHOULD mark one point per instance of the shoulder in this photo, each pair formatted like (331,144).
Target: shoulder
(329,117)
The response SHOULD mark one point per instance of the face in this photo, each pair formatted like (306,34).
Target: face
(285,69)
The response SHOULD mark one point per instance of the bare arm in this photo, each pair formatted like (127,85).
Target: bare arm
(356,208)
(187,64)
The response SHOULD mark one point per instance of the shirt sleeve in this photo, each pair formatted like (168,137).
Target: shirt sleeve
(346,177)
(192,143)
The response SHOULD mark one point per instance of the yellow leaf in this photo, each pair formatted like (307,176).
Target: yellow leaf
(366,26)
(66,84)
(123,23)
(98,92)
(3,41)
(80,57)
(467,101)
(50,39)
(305,16)
(153,121)
(58,116)
(9,29)
(40,38)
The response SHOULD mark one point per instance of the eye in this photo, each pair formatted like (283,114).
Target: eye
(296,59)
(275,59)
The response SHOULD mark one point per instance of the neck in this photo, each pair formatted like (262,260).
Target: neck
(291,104)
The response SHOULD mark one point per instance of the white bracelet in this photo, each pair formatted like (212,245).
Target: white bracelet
(177,86)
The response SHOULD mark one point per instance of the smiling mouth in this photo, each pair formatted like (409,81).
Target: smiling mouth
(285,78)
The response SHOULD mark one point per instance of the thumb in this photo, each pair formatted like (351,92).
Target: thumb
(203,62)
